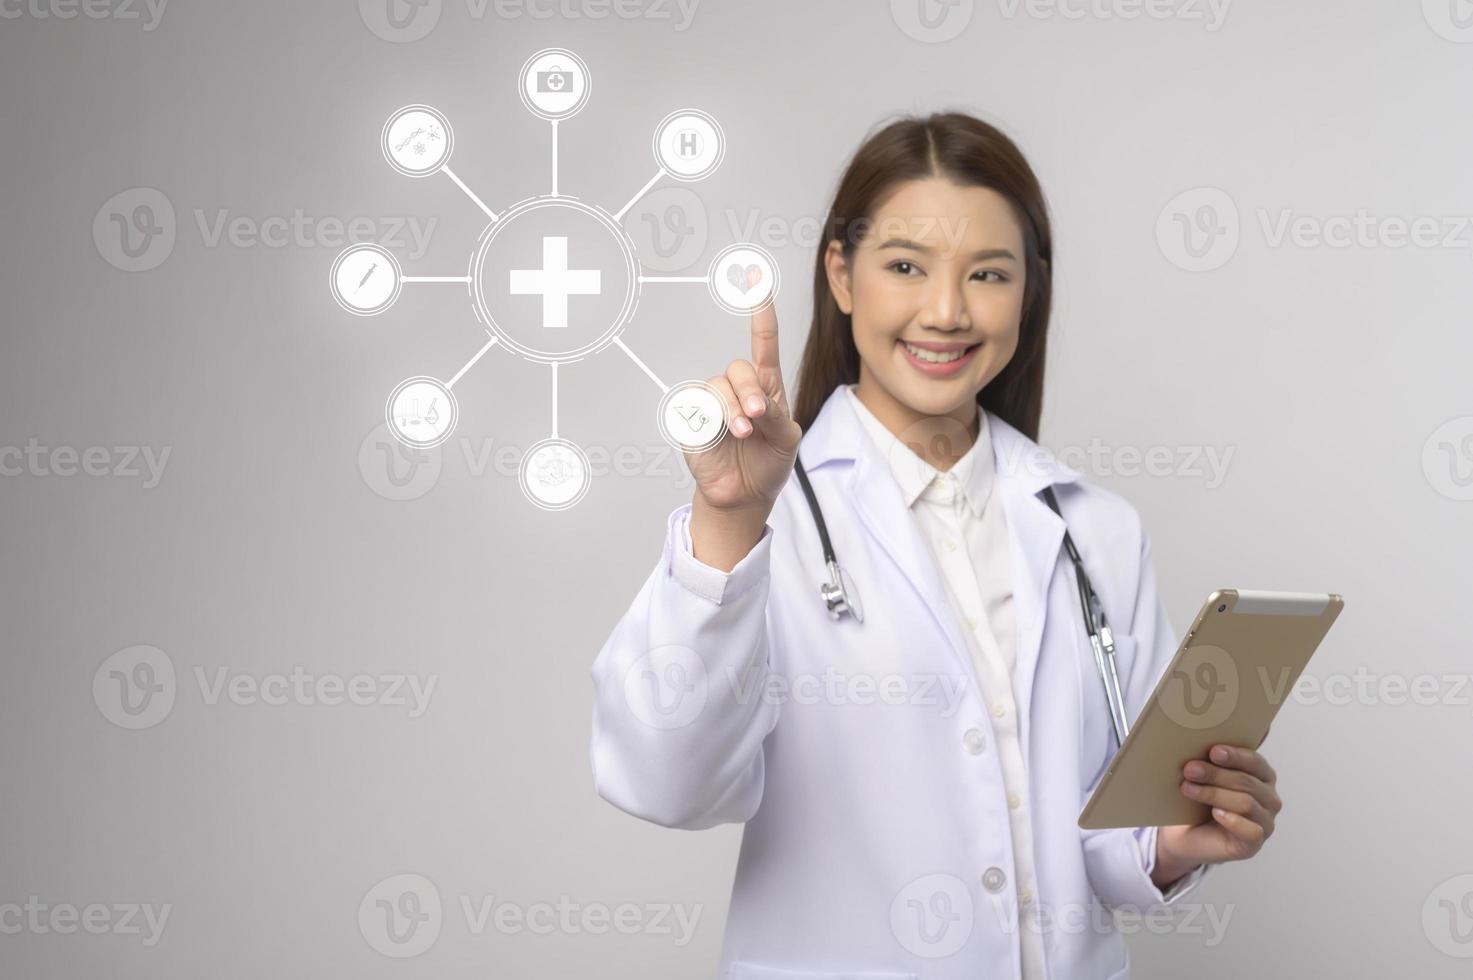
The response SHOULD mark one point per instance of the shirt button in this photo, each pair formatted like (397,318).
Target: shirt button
(971,622)
(950,545)
(974,740)
(993,879)
(998,710)
(1025,896)
(1013,800)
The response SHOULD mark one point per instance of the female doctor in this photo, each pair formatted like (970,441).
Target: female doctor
(910,780)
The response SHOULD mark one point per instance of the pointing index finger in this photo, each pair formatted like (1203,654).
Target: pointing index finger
(764,334)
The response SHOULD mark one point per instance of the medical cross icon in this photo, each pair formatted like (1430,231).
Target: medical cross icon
(555,282)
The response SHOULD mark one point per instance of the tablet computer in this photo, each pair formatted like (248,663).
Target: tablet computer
(1232,672)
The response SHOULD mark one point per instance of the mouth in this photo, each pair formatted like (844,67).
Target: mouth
(938,360)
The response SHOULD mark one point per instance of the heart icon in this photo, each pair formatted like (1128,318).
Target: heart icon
(737,276)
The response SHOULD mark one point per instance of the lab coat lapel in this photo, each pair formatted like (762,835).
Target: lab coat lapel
(1035,532)
(838,434)
(1036,538)
(883,512)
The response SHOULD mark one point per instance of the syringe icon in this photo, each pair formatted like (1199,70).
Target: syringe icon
(365,277)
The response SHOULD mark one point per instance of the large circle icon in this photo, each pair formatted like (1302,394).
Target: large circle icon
(365,279)
(692,416)
(689,144)
(554,83)
(555,474)
(417,140)
(743,278)
(422,412)
(555,279)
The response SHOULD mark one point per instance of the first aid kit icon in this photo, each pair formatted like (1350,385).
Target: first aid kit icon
(555,79)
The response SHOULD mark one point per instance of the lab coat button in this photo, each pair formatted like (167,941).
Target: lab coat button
(993,879)
(974,740)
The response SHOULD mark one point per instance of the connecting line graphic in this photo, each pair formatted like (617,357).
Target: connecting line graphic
(471,194)
(642,365)
(471,363)
(554,279)
(619,215)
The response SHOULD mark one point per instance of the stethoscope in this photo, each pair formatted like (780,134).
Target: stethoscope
(840,597)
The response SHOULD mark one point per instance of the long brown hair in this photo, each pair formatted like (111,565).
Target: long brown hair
(967,151)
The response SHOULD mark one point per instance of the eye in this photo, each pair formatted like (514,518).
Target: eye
(903,267)
(1001,276)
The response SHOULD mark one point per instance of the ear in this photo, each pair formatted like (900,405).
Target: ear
(839,273)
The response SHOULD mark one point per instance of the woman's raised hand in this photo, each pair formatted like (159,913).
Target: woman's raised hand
(740,478)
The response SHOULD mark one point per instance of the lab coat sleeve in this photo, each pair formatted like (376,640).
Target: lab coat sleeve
(1119,860)
(678,714)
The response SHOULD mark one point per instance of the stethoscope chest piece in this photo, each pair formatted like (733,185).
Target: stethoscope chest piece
(840,595)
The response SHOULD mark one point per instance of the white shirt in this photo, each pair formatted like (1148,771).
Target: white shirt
(968,536)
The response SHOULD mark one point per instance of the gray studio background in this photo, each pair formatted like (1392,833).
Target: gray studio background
(1330,373)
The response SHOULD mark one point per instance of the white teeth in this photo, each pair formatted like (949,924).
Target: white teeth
(934,357)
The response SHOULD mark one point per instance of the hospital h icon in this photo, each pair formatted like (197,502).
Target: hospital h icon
(555,282)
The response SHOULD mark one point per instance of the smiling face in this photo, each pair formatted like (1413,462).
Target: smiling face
(934,290)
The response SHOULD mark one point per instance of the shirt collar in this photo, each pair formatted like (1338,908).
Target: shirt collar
(971,477)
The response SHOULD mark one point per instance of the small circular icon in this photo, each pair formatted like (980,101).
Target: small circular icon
(692,416)
(554,83)
(422,412)
(555,474)
(365,279)
(689,144)
(417,140)
(743,278)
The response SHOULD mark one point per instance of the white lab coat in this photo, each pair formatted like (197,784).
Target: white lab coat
(877,841)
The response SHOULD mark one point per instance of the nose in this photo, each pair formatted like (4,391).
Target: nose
(945,306)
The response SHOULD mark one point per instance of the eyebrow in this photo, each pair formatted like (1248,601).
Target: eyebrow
(981,253)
